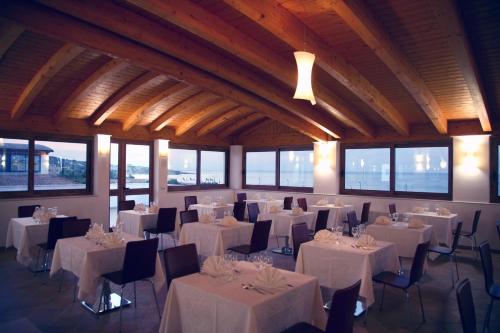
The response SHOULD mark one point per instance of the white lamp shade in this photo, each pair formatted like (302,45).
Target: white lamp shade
(305,61)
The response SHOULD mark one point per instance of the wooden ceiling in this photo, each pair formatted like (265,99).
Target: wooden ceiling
(213,71)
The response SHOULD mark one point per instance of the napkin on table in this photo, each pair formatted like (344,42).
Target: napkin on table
(229,221)
(365,241)
(323,236)
(270,279)
(443,211)
(206,218)
(297,211)
(382,220)
(140,207)
(274,209)
(415,223)
(154,209)
(215,266)
(113,239)
(322,202)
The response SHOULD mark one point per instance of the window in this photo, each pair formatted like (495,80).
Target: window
(260,168)
(296,168)
(367,169)
(196,168)
(35,166)
(137,166)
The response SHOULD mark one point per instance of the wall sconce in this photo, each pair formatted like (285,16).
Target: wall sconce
(163,148)
(103,144)
(325,157)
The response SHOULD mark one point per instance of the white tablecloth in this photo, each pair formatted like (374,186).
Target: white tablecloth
(265,205)
(24,234)
(213,238)
(337,215)
(339,266)
(443,225)
(282,222)
(212,208)
(90,261)
(200,303)
(134,222)
(406,239)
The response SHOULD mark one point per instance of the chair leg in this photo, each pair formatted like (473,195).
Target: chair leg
(382,299)
(135,296)
(277,241)
(61,281)
(37,261)
(456,266)
(421,303)
(161,241)
(156,298)
(407,296)
(486,324)
(74,289)
(476,255)
(121,307)
(451,271)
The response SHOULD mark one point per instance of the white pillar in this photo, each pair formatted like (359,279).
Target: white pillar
(102,147)
(326,173)
(160,171)
(236,167)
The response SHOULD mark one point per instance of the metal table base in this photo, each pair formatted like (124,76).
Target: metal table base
(108,301)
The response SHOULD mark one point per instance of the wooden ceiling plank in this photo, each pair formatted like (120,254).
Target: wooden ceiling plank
(225,119)
(205,114)
(210,27)
(41,19)
(96,78)
(50,68)
(112,102)
(9,32)
(251,129)
(241,123)
(115,18)
(172,92)
(449,18)
(280,22)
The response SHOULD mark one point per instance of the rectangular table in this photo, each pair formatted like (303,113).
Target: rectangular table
(89,261)
(406,239)
(443,225)
(336,216)
(265,204)
(339,266)
(134,222)
(212,239)
(213,208)
(200,303)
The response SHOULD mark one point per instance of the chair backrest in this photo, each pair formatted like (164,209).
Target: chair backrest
(475,222)
(352,220)
(239,210)
(392,208)
(466,306)
(56,230)
(180,261)
(189,216)
(140,260)
(484,250)
(260,236)
(341,316)
(456,237)
(300,234)
(498,229)
(126,205)
(365,212)
(166,219)
(302,202)
(241,197)
(253,212)
(75,228)
(26,211)
(417,266)
(190,200)
(287,203)
(321,220)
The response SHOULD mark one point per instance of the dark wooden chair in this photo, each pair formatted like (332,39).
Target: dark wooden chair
(450,252)
(189,216)
(302,202)
(341,315)
(190,200)
(492,288)
(126,205)
(26,211)
(392,208)
(471,235)
(180,261)
(287,203)
(300,234)
(321,221)
(139,264)
(259,241)
(498,229)
(466,306)
(241,197)
(365,212)
(165,223)
(352,221)
(253,212)
(405,282)
(76,228)
(239,210)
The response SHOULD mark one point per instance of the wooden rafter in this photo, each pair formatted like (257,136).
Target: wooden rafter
(250,129)
(115,18)
(225,119)
(240,124)
(280,22)
(96,78)
(217,31)
(44,20)
(205,114)
(113,102)
(9,32)
(172,92)
(449,18)
(58,60)
(193,102)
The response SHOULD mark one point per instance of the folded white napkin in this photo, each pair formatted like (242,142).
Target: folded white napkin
(418,210)
(274,209)
(215,266)
(382,220)
(140,207)
(443,211)
(324,236)
(229,221)
(270,279)
(365,241)
(415,223)
(95,233)
(339,202)
(296,211)
(113,239)
(322,202)
(207,218)
(206,200)
(153,209)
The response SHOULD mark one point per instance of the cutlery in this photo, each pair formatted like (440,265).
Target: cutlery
(251,287)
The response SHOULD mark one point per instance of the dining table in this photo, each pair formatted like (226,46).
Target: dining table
(337,213)
(134,222)
(266,204)
(443,225)
(216,209)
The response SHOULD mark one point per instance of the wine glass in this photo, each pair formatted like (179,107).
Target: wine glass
(355,232)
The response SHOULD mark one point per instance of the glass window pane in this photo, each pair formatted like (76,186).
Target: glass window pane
(296,168)
(113,210)
(113,167)
(181,167)
(422,169)
(13,165)
(213,167)
(367,169)
(260,168)
(60,165)
(137,166)
(139,198)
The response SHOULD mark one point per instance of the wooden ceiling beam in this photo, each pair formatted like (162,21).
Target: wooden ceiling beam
(193,102)
(95,79)
(361,21)
(169,93)
(225,119)
(248,131)
(281,23)
(41,19)
(113,102)
(9,32)
(449,18)
(49,69)
(240,124)
(116,18)
(213,29)
(203,115)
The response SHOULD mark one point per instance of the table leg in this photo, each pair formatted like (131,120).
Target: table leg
(285,250)
(108,301)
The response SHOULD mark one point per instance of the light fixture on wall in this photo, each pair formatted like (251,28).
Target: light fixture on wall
(305,62)
(163,147)
(103,143)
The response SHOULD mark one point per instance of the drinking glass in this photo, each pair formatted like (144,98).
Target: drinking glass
(355,232)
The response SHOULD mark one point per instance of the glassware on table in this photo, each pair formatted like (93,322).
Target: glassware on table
(355,232)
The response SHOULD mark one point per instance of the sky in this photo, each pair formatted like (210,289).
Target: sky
(76,151)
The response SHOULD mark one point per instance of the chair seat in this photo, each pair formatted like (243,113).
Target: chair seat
(245,249)
(43,246)
(115,277)
(392,279)
(156,231)
(495,291)
(302,328)
(464,233)
(440,249)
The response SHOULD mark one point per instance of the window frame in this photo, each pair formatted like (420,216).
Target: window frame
(198,186)
(277,186)
(494,177)
(392,183)
(31,192)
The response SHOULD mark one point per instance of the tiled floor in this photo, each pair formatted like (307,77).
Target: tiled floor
(36,300)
